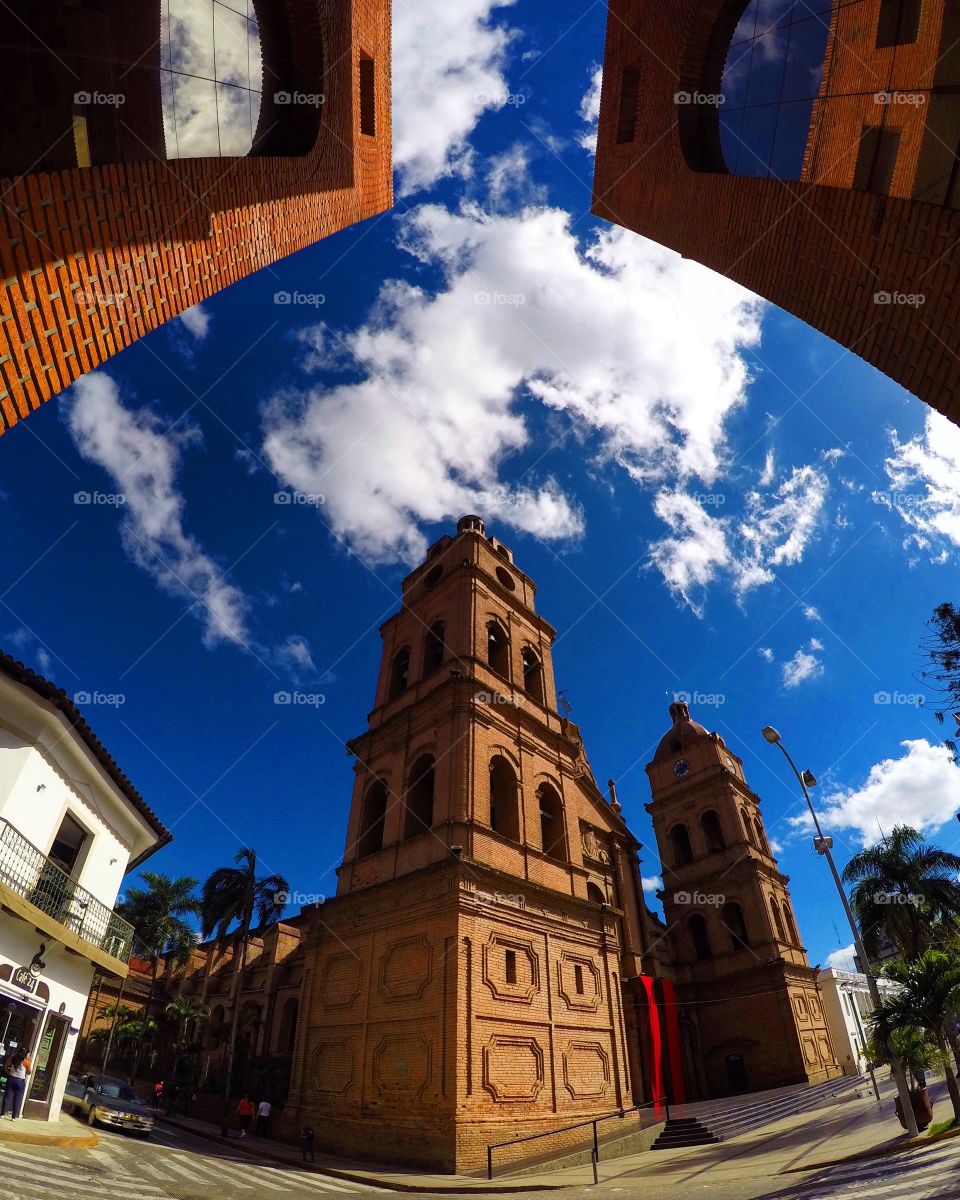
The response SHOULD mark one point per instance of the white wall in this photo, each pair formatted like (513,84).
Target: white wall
(68,977)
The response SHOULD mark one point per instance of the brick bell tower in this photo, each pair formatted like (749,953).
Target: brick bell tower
(464,987)
(751,1013)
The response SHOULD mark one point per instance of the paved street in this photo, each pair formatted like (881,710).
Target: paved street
(931,1174)
(171,1165)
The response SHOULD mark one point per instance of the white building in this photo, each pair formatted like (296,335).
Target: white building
(847,1007)
(71,826)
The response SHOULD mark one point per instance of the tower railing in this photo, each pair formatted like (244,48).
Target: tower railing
(593,1124)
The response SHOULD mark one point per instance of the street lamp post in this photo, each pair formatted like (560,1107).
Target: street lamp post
(823,845)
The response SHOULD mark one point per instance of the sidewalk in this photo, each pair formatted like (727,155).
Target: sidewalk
(65,1131)
(803,1142)
(384,1175)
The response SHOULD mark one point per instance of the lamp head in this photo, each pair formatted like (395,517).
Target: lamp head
(809,778)
(770,734)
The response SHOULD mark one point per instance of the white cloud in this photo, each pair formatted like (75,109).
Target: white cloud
(508,180)
(811,613)
(766,653)
(143,462)
(295,657)
(651,883)
(921,788)
(197,321)
(637,349)
(924,477)
(803,666)
(449,64)
(769,470)
(833,455)
(590,110)
(842,959)
(774,530)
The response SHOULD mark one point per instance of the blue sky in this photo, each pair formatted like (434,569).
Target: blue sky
(713,498)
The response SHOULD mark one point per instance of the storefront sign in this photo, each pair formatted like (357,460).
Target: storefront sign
(24,979)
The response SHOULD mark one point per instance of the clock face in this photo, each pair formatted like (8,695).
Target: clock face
(681,768)
(730,763)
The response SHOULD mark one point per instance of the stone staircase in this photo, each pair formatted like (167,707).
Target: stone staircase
(717,1120)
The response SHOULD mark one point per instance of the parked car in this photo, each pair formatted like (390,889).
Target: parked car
(110,1102)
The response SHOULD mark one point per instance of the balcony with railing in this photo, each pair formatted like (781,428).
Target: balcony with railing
(57,904)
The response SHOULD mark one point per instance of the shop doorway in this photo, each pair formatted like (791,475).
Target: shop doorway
(46,1061)
(19,1023)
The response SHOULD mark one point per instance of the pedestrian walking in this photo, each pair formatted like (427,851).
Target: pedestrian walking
(244,1113)
(18,1068)
(157,1093)
(264,1109)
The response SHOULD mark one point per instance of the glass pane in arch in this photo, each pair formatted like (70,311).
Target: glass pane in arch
(211,73)
(776,56)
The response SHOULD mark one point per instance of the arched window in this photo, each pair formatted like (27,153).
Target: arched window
(532,675)
(498,649)
(680,843)
(748,827)
(777,919)
(761,837)
(399,673)
(712,831)
(418,815)
(700,938)
(770,84)
(553,835)
(434,648)
(595,894)
(504,802)
(372,815)
(287,1036)
(791,924)
(732,916)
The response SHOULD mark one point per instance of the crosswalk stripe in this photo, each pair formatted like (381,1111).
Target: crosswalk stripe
(41,1174)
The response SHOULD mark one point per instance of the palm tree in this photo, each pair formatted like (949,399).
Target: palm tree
(157,914)
(236,894)
(187,1011)
(903,888)
(928,996)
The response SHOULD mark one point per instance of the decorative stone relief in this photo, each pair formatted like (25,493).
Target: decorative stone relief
(588,977)
(402,1065)
(406,968)
(334,1065)
(586,1070)
(340,980)
(513,1068)
(526,965)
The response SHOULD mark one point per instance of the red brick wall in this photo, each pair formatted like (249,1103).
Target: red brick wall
(819,252)
(94,258)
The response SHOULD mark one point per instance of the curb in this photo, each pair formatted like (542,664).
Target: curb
(85,1141)
(879,1152)
(501,1189)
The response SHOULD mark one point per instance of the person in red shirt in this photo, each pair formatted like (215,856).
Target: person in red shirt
(244,1113)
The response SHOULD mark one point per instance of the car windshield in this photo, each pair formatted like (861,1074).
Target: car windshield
(118,1091)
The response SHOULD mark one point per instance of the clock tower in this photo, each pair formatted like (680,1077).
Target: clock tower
(751,1014)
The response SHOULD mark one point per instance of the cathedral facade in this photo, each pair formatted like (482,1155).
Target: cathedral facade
(488,968)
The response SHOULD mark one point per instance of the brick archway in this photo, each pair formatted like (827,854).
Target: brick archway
(824,253)
(95,257)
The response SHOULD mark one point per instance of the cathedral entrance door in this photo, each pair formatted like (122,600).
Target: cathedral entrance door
(736,1073)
